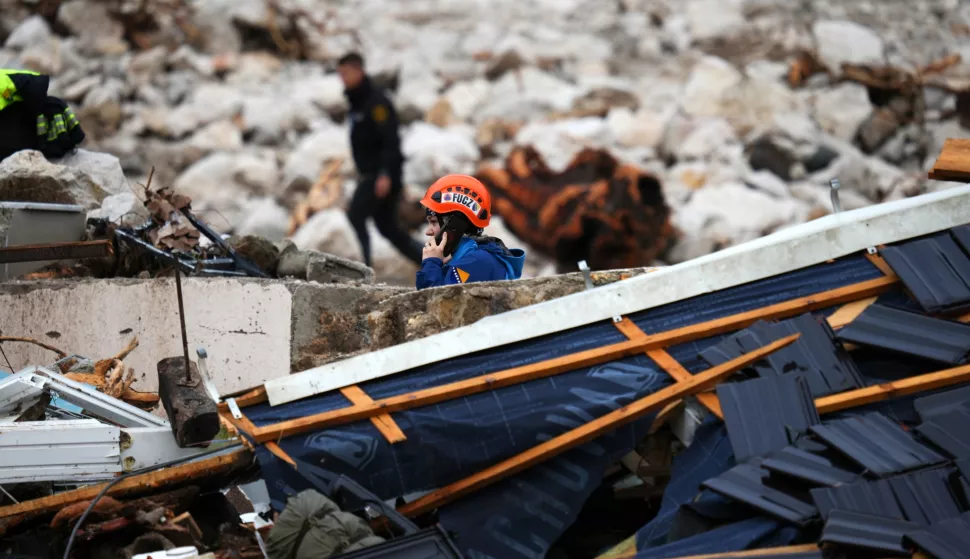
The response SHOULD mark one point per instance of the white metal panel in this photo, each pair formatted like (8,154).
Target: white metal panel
(797,247)
(71,450)
(94,402)
(150,446)
(18,392)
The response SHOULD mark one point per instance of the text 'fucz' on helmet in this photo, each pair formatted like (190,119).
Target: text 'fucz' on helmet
(460,193)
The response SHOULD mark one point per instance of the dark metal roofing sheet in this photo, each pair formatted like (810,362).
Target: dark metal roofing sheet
(744,483)
(866,531)
(926,497)
(824,364)
(950,432)
(943,402)
(948,539)
(807,466)
(911,333)
(876,443)
(766,414)
(865,497)
(792,555)
(935,270)
(961,235)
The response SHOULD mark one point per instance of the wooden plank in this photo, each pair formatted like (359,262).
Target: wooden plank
(280,453)
(849,312)
(566,363)
(148,481)
(585,433)
(672,367)
(953,164)
(772,551)
(251,398)
(894,389)
(880,262)
(384,423)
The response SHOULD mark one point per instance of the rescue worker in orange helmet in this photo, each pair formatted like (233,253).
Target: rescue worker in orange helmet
(458,209)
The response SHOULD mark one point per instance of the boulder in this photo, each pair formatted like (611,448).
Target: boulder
(715,19)
(326,143)
(257,250)
(268,120)
(524,93)
(83,178)
(643,128)
(221,135)
(711,87)
(32,31)
(466,98)
(264,217)
(708,140)
(841,110)
(224,181)
(90,21)
(841,42)
(432,152)
(125,209)
(559,141)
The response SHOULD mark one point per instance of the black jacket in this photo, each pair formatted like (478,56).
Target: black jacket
(374,137)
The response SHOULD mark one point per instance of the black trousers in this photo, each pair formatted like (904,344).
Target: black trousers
(365,203)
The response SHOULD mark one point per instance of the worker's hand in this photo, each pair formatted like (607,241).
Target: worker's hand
(383,186)
(435,250)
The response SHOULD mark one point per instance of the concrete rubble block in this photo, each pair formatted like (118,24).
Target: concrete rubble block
(83,178)
(845,42)
(327,268)
(90,21)
(125,209)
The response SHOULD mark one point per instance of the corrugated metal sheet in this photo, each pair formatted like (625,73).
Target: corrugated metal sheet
(950,432)
(744,483)
(766,414)
(865,497)
(865,531)
(936,404)
(901,331)
(926,497)
(876,443)
(826,366)
(935,270)
(948,539)
(808,467)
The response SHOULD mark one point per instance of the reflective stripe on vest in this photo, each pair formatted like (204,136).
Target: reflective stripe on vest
(8,90)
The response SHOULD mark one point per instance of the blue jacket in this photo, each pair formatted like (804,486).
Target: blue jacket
(472,262)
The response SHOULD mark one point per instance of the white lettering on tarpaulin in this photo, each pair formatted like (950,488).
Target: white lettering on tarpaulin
(462,199)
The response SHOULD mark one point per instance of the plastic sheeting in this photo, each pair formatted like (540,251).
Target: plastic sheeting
(521,517)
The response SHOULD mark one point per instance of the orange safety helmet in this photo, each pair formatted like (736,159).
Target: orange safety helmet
(460,193)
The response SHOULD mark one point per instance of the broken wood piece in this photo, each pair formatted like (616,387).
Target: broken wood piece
(590,431)
(138,483)
(774,553)
(894,389)
(192,413)
(33,341)
(670,365)
(880,262)
(849,312)
(588,358)
(953,164)
(186,521)
(384,423)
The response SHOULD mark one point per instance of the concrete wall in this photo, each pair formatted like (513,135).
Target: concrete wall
(243,324)
(253,330)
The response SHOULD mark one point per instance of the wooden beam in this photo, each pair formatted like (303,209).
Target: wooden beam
(773,551)
(894,389)
(953,164)
(566,363)
(148,481)
(250,398)
(849,312)
(880,262)
(384,423)
(670,365)
(588,432)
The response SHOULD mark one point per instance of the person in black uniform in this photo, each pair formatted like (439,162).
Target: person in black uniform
(376,148)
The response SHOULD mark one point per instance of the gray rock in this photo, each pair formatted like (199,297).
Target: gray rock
(842,110)
(84,178)
(846,42)
(32,31)
(125,209)
(877,129)
(98,32)
(327,268)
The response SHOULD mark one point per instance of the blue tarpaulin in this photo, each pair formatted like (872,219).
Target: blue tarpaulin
(521,517)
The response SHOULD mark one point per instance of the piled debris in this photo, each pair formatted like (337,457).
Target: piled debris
(610,215)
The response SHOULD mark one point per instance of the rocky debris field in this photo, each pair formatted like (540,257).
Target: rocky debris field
(743,109)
